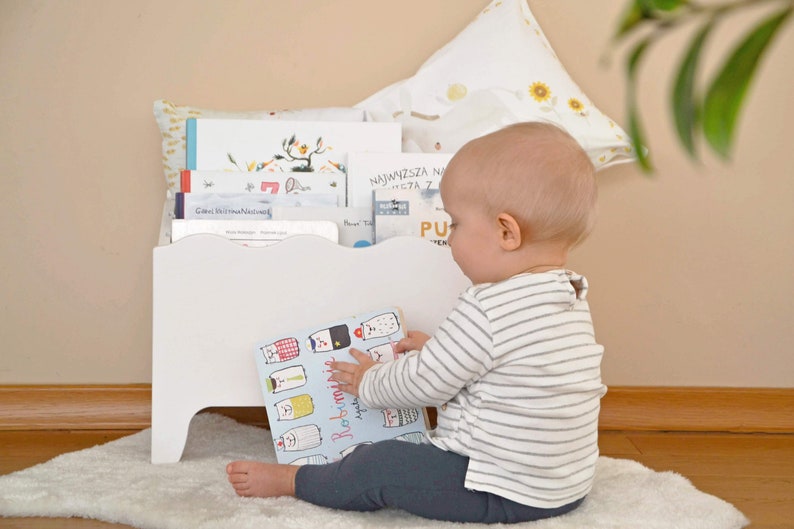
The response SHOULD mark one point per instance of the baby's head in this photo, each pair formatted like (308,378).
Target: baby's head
(536,173)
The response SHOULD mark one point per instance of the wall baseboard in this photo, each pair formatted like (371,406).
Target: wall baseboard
(68,407)
(691,409)
(698,409)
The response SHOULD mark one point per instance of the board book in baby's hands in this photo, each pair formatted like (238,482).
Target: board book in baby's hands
(311,420)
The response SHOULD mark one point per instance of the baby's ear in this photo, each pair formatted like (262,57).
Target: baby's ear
(509,232)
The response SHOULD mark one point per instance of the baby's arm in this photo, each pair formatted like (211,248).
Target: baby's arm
(349,375)
(459,353)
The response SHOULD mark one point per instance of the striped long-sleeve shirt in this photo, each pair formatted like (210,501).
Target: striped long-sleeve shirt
(515,372)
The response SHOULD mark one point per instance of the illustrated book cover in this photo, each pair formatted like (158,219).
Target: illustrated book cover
(303,148)
(368,171)
(271,180)
(311,420)
(410,212)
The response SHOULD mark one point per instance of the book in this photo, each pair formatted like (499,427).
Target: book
(355,224)
(368,171)
(299,147)
(311,420)
(165,221)
(269,181)
(410,212)
(253,232)
(241,205)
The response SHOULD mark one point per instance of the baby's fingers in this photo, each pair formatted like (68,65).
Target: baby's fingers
(413,342)
(360,357)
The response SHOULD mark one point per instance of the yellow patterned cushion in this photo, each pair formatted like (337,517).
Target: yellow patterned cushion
(499,70)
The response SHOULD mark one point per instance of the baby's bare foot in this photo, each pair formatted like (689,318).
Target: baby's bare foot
(262,480)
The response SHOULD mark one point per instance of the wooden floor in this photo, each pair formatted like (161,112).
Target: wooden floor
(754,472)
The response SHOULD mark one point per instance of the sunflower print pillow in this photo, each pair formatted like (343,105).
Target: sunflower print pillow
(499,70)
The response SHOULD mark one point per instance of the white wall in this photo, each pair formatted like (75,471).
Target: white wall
(690,269)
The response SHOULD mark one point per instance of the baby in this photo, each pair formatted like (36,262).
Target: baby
(514,370)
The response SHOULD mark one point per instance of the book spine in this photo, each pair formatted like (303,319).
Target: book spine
(190,140)
(185,181)
(179,206)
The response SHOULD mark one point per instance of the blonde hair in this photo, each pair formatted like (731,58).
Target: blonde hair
(537,173)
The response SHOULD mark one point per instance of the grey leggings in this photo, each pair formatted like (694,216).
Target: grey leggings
(421,479)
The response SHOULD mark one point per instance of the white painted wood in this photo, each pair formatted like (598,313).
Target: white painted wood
(214,299)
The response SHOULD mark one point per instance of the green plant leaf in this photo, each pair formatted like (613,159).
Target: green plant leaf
(725,96)
(638,11)
(663,5)
(632,18)
(638,138)
(685,107)
(634,61)
(635,126)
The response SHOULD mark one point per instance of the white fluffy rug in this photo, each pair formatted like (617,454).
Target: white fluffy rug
(115,482)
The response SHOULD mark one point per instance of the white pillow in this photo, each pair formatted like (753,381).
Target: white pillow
(499,70)
(171,120)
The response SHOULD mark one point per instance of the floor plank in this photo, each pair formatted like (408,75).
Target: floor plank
(754,472)
(22,449)
(616,445)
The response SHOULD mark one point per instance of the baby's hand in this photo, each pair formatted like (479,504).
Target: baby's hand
(348,375)
(413,342)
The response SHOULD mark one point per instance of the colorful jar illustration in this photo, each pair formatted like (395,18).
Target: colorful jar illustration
(331,339)
(350,448)
(378,326)
(317,459)
(300,438)
(384,352)
(287,378)
(412,437)
(393,418)
(281,350)
(295,407)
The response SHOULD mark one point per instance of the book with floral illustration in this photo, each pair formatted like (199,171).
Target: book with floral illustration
(304,149)
(311,420)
